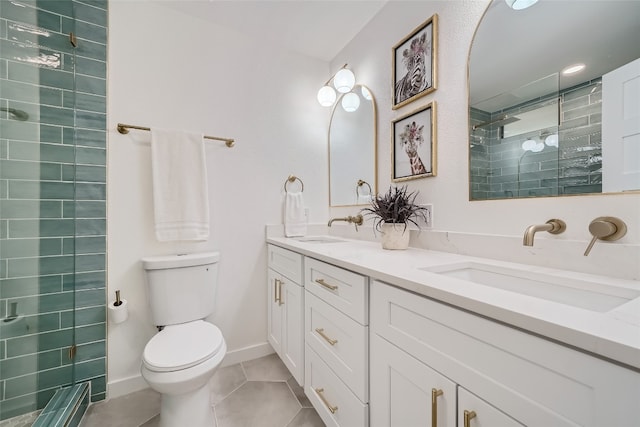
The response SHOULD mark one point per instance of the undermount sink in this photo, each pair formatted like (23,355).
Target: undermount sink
(590,295)
(318,239)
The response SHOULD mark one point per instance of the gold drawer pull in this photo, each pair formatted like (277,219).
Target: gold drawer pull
(320,332)
(468,416)
(331,409)
(326,285)
(434,406)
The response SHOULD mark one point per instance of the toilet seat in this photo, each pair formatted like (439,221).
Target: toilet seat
(182,346)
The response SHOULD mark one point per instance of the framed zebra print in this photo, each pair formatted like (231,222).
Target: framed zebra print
(414,64)
(413,154)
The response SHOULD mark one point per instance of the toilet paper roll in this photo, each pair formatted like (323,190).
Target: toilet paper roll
(120,313)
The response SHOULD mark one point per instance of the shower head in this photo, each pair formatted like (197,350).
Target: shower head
(503,120)
(16,114)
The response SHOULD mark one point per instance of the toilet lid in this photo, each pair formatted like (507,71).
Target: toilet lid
(182,346)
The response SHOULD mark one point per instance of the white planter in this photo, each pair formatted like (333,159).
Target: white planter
(395,236)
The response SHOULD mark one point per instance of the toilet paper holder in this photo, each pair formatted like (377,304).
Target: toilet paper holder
(118,310)
(118,300)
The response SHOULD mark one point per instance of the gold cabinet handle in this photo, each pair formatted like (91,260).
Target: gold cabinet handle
(468,416)
(276,286)
(320,332)
(280,301)
(326,285)
(434,406)
(320,392)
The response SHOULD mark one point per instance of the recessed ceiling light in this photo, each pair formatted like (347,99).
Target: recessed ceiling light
(572,69)
(520,4)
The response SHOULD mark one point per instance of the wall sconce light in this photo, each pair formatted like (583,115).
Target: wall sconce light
(343,81)
(533,146)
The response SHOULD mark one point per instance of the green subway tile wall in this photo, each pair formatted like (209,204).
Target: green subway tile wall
(52,200)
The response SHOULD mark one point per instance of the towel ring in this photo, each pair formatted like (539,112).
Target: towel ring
(362,182)
(293,178)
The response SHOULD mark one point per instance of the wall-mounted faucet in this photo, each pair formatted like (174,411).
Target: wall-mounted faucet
(607,228)
(553,226)
(356,220)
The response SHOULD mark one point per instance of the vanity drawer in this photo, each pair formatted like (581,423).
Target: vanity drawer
(341,342)
(334,402)
(345,290)
(285,262)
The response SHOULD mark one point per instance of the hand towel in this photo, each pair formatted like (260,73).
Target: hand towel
(295,219)
(180,192)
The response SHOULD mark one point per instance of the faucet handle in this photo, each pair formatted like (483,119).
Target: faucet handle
(607,228)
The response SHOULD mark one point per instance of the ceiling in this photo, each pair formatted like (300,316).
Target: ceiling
(316,28)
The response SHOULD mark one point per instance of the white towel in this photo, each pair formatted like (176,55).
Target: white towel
(180,192)
(295,219)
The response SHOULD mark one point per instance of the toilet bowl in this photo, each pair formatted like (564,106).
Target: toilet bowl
(180,359)
(178,362)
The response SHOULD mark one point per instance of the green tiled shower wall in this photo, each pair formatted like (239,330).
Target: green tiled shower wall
(52,200)
(501,170)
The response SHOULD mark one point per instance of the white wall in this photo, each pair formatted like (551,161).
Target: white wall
(369,54)
(174,71)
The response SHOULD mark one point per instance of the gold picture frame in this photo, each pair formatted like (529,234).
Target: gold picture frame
(414,64)
(413,151)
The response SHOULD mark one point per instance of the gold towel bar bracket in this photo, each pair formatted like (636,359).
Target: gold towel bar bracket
(292,179)
(124,129)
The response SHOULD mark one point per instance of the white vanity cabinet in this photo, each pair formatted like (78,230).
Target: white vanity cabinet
(337,344)
(499,375)
(406,392)
(285,310)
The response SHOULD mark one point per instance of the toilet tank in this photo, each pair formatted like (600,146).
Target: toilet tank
(181,288)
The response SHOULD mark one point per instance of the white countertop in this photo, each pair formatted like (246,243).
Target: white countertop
(613,334)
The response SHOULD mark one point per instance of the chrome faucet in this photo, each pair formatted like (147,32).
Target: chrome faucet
(356,220)
(553,226)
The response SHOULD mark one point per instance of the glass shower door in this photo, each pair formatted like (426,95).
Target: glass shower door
(37,204)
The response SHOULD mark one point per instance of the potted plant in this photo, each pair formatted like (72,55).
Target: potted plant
(393,212)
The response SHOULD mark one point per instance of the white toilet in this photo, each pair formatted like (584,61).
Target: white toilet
(179,361)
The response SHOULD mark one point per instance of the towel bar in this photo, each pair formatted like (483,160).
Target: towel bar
(124,129)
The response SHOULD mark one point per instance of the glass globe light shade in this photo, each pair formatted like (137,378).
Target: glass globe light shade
(366,94)
(552,140)
(326,96)
(520,4)
(529,145)
(344,80)
(350,102)
(538,147)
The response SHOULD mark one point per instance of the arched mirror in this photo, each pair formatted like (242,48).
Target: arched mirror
(536,131)
(352,150)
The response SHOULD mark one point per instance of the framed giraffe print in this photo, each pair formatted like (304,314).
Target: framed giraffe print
(414,144)
(414,64)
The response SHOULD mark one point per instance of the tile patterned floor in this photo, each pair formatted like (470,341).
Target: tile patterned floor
(256,393)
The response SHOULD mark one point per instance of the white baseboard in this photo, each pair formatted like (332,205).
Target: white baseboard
(136,383)
(247,353)
(125,386)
